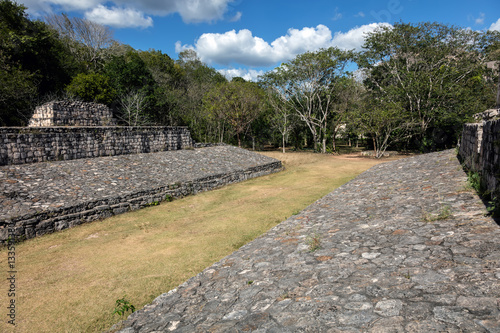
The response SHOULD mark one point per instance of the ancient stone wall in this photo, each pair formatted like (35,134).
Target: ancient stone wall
(480,152)
(72,113)
(19,145)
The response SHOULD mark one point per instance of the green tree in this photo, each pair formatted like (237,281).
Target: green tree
(346,96)
(16,89)
(491,44)
(383,121)
(282,118)
(169,79)
(198,79)
(130,75)
(435,72)
(133,109)
(92,88)
(33,63)
(307,83)
(238,103)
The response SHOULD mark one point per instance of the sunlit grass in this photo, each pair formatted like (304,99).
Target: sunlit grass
(69,281)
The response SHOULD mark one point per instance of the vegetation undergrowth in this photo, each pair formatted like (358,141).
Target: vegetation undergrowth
(491,200)
(70,281)
(443,213)
(313,241)
(122,306)
(474,181)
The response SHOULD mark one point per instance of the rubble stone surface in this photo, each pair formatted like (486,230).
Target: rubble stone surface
(41,198)
(404,247)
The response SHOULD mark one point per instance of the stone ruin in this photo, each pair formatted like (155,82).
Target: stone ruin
(479,149)
(490,114)
(68,130)
(72,113)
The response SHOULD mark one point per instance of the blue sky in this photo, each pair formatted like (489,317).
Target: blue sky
(249,37)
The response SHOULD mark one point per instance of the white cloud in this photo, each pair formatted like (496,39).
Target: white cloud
(179,47)
(119,17)
(247,74)
(360,14)
(337,15)
(495,26)
(236,17)
(201,10)
(234,47)
(191,11)
(354,38)
(243,48)
(480,19)
(299,41)
(38,7)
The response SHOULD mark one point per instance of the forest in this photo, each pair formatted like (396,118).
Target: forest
(411,88)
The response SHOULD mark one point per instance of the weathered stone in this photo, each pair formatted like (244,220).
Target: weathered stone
(59,195)
(371,255)
(480,152)
(389,308)
(71,113)
(235,315)
(487,115)
(389,325)
(37,144)
(366,283)
(479,305)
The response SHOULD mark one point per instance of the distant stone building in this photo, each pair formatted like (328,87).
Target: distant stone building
(71,113)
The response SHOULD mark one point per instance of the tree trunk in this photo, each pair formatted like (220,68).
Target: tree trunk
(374,146)
(334,143)
(283,144)
(323,145)
(239,140)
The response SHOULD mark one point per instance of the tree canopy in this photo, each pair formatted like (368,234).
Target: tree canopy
(238,103)
(307,84)
(411,87)
(33,62)
(434,73)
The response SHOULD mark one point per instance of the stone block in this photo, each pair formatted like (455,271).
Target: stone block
(61,225)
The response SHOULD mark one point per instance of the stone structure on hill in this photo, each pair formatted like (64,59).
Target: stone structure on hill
(33,198)
(490,114)
(72,113)
(68,130)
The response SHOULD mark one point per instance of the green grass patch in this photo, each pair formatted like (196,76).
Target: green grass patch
(443,213)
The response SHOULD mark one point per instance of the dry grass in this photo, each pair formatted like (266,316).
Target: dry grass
(69,281)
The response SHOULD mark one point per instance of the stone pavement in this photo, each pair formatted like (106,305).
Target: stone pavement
(404,247)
